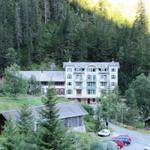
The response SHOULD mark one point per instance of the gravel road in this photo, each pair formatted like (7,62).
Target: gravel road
(139,140)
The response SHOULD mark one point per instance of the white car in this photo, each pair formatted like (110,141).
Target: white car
(104,132)
(147,148)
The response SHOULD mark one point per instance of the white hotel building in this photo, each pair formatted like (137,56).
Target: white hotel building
(84,81)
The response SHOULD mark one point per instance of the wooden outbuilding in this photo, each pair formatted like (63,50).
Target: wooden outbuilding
(71,113)
(147,123)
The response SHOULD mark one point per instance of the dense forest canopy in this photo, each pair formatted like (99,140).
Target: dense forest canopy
(33,32)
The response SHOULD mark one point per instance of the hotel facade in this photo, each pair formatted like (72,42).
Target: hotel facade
(82,81)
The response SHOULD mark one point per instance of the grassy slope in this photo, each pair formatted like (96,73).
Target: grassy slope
(8,103)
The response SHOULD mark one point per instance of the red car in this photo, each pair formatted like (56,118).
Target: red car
(119,142)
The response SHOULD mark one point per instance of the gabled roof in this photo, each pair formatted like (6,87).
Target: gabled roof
(65,110)
(70,109)
(44,75)
(147,119)
(86,64)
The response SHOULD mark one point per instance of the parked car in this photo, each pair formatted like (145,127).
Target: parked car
(125,136)
(119,142)
(124,139)
(147,148)
(104,132)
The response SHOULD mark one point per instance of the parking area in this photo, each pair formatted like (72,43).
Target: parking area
(139,140)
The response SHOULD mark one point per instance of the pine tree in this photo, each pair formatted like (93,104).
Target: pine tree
(25,121)
(26,129)
(132,113)
(51,134)
(9,135)
(138,44)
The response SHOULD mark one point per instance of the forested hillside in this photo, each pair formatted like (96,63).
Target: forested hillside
(43,31)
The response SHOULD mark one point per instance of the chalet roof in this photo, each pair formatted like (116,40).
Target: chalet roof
(86,64)
(65,110)
(44,75)
(147,119)
(70,109)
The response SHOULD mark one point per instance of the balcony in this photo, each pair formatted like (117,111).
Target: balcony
(104,79)
(78,79)
(78,87)
(91,80)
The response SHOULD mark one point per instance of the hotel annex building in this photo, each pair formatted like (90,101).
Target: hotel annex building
(83,81)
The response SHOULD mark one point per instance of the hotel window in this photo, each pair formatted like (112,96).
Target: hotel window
(89,77)
(113,76)
(69,83)
(112,83)
(78,83)
(69,76)
(79,69)
(91,84)
(91,92)
(79,91)
(91,69)
(58,83)
(94,77)
(103,76)
(69,69)
(103,83)
(79,76)
(113,69)
(69,91)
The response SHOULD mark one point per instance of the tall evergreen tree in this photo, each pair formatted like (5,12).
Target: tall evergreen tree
(137,46)
(26,129)
(51,134)
(25,122)
(9,136)
(132,113)
(141,87)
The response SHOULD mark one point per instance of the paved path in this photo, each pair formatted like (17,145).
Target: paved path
(139,140)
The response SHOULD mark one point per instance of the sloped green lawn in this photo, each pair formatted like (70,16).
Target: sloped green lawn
(8,103)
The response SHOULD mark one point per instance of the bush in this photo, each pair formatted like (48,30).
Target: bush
(96,145)
(89,109)
(1,87)
(89,124)
(139,125)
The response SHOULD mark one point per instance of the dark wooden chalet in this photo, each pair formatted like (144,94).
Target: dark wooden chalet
(147,123)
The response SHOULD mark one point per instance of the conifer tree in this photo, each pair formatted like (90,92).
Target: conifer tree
(26,130)
(132,113)
(9,135)
(25,122)
(51,135)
